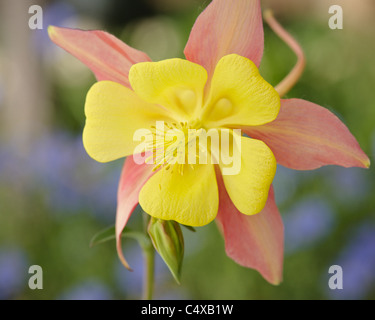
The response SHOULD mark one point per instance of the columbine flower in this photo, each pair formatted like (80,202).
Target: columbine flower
(218,86)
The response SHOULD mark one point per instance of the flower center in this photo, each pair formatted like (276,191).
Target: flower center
(175,145)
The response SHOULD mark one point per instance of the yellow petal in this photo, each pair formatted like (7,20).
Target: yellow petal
(239,96)
(249,188)
(191,199)
(113,114)
(175,84)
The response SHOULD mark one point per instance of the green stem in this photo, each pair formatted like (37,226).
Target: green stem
(149,256)
(148,286)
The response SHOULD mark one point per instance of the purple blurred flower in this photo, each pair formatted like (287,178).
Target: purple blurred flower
(358,263)
(130,283)
(75,181)
(57,13)
(174,295)
(350,185)
(287,181)
(307,222)
(59,169)
(13,168)
(13,272)
(89,290)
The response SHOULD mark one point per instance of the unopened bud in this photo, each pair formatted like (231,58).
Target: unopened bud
(168,241)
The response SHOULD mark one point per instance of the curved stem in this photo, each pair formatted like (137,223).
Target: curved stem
(291,79)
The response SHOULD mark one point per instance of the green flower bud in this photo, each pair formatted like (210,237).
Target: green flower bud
(168,241)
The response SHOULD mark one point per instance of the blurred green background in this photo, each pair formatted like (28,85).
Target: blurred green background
(54,198)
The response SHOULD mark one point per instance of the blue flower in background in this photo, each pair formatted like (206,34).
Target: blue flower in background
(13,272)
(130,283)
(14,170)
(350,185)
(174,295)
(88,290)
(287,181)
(57,13)
(61,172)
(358,263)
(54,162)
(307,222)
(75,181)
